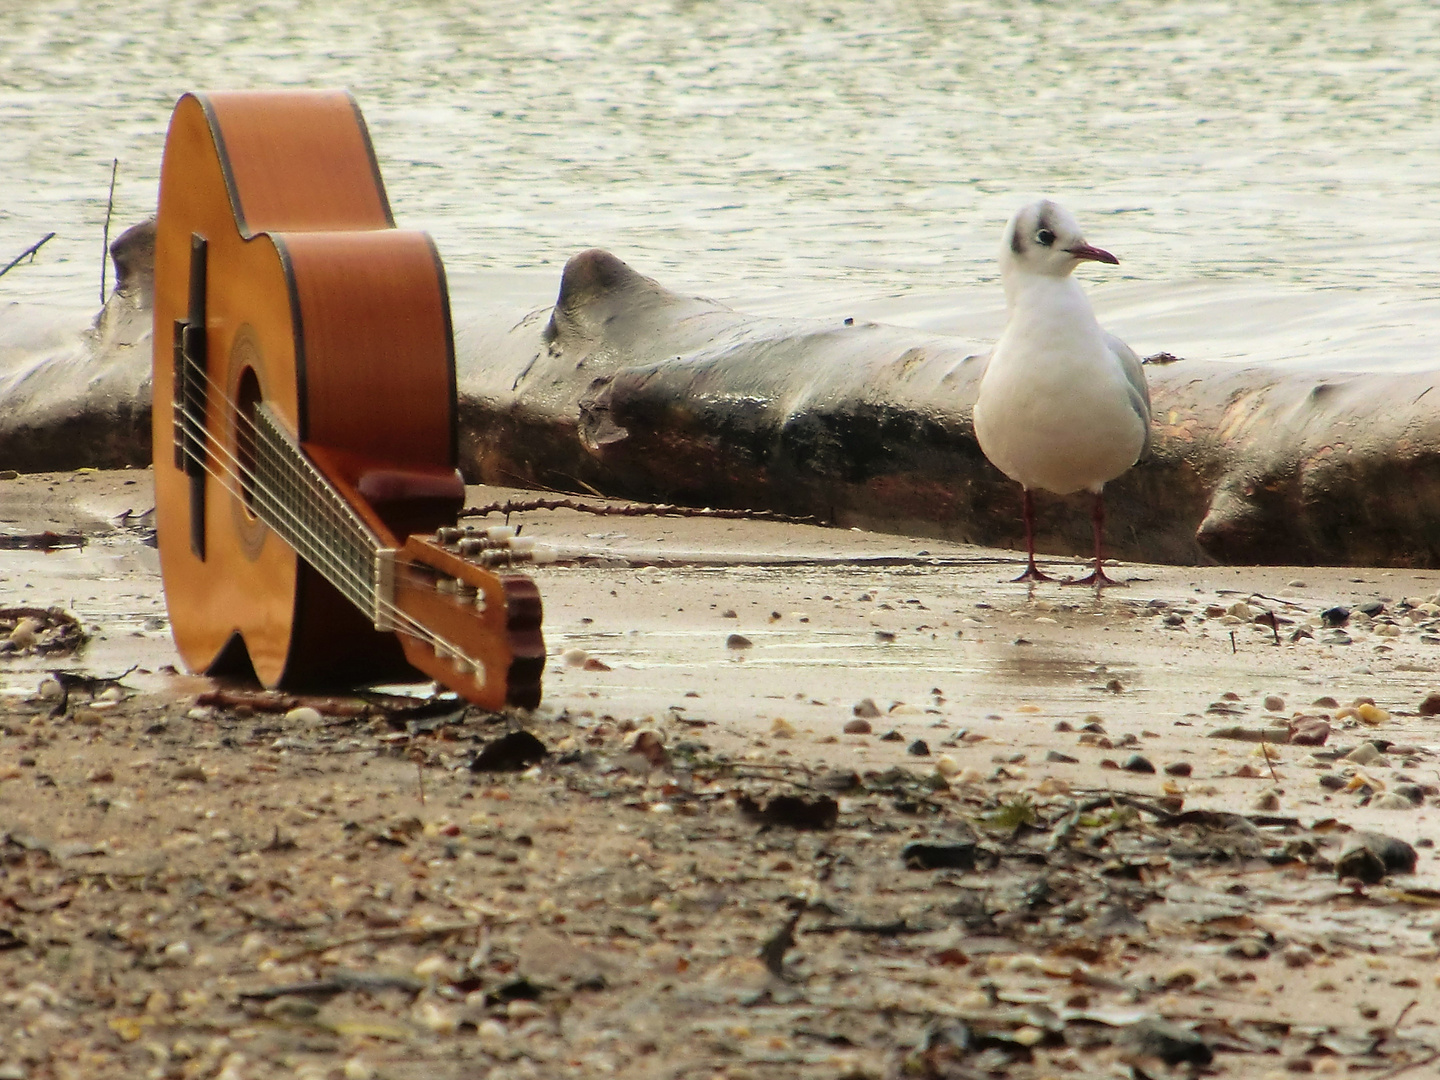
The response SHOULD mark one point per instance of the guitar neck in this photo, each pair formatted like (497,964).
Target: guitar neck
(291,496)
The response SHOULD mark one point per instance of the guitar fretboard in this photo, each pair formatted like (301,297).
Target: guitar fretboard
(292,497)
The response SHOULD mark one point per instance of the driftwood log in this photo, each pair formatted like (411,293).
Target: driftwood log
(627,389)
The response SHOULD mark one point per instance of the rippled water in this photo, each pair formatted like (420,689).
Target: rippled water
(1268,171)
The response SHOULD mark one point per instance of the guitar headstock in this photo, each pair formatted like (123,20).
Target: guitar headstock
(469,628)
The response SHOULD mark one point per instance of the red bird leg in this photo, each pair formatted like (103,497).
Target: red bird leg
(1032,572)
(1097,521)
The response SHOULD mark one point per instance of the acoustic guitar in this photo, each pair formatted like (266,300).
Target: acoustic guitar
(305,443)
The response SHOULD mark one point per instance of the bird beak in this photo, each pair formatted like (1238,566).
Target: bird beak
(1083,250)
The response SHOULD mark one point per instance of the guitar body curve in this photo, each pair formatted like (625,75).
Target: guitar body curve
(315,306)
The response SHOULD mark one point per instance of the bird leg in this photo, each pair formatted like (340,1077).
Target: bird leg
(1098,578)
(1032,572)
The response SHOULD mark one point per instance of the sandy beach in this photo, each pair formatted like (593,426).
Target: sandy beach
(814,803)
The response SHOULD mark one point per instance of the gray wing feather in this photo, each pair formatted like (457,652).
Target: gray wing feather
(1139,388)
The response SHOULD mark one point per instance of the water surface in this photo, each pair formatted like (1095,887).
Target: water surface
(1266,171)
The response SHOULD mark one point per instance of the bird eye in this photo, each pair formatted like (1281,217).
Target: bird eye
(1044,237)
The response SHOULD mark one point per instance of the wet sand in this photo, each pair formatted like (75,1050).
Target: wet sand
(994,676)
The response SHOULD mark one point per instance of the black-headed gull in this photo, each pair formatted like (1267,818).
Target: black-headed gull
(1062,405)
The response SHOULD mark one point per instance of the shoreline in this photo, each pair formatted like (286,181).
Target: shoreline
(636,895)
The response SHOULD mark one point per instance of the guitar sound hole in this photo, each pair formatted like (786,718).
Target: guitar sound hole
(247,402)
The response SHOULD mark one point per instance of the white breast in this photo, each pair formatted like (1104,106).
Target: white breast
(1058,407)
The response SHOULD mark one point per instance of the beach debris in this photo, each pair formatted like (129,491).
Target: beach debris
(512,752)
(791,811)
(866,709)
(39,631)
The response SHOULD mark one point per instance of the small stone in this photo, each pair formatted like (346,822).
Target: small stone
(1431,705)
(738,641)
(780,728)
(1297,956)
(303,714)
(946,766)
(1169,1042)
(885,636)
(858,727)
(575,657)
(1179,768)
(1362,864)
(1137,763)
(100,775)
(1391,800)
(190,772)
(1335,616)
(1309,731)
(1061,759)
(1274,703)
(1371,714)
(1296,584)
(892,736)
(866,709)
(918,748)
(1268,802)
(729,613)
(26,633)
(1332,781)
(1364,754)
(1326,702)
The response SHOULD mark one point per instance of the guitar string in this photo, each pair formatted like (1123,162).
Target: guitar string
(231,481)
(233,476)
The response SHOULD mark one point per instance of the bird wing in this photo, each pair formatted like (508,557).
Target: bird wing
(1139,388)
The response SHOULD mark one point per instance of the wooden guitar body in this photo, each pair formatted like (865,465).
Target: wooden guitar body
(287,302)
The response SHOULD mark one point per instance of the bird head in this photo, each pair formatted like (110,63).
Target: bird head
(1043,238)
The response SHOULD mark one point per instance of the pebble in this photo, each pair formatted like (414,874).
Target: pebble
(26,633)
(866,709)
(892,736)
(781,728)
(1169,1042)
(1371,714)
(190,772)
(102,775)
(303,714)
(738,641)
(1391,800)
(1274,703)
(1431,705)
(919,748)
(1267,802)
(858,727)
(1335,616)
(1297,956)
(946,766)
(1179,768)
(1364,754)
(1137,763)
(1061,759)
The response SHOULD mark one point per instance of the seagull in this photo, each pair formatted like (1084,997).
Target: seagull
(1062,405)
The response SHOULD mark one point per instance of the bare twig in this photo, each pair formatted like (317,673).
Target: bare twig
(105,242)
(1265,749)
(30,251)
(513,506)
(1418,1063)
(414,934)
